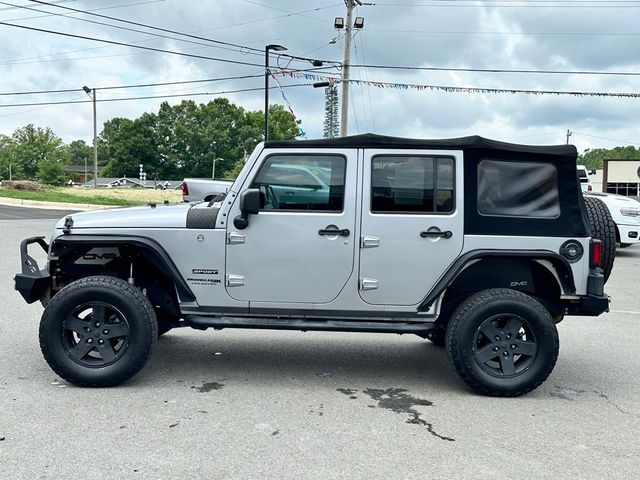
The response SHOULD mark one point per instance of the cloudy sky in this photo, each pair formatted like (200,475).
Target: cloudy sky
(550,35)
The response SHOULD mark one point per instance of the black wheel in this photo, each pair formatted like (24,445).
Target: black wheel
(502,342)
(98,331)
(603,228)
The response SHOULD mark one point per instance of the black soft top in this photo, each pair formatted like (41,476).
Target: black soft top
(475,142)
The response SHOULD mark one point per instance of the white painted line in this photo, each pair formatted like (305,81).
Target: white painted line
(627,312)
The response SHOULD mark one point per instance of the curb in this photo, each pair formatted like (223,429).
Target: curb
(18,202)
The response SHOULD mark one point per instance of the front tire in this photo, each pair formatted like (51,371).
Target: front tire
(502,342)
(98,332)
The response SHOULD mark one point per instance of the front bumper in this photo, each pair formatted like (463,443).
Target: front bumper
(33,283)
(629,234)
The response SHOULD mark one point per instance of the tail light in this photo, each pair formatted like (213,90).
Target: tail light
(589,188)
(596,253)
(185,189)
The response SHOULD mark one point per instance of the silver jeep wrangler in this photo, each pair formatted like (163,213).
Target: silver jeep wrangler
(477,245)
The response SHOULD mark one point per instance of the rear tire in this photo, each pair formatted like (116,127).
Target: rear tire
(502,342)
(98,332)
(603,228)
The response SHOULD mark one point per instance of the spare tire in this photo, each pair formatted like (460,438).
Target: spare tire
(603,228)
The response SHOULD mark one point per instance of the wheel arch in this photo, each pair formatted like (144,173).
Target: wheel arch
(146,248)
(540,273)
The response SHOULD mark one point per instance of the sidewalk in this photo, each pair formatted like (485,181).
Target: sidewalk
(18,202)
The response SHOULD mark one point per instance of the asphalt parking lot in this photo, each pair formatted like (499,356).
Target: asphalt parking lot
(263,404)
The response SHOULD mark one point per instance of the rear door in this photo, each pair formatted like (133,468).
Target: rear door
(412,223)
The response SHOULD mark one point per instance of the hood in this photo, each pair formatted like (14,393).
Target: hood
(160,216)
(614,199)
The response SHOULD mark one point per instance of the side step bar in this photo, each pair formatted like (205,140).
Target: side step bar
(203,322)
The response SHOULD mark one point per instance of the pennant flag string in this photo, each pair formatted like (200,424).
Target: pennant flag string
(301,133)
(452,89)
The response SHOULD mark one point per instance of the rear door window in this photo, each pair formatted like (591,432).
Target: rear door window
(412,184)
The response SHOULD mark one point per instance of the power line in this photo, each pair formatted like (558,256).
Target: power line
(292,13)
(19,60)
(69,15)
(496,70)
(604,138)
(111,7)
(194,94)
(56,1)
(138,85)
(152,27)
(123,44)
(156,84)
(504,4)
(366,77)
(453,32)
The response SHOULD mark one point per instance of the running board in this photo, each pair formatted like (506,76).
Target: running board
(203,322)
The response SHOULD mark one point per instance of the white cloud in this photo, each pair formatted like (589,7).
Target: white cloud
(532,38)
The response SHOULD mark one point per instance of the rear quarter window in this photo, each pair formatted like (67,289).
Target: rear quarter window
(518,189)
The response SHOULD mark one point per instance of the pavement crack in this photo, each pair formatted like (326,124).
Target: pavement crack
(601,393)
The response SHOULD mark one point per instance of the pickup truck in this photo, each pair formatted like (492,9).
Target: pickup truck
(583,177)
(199,189)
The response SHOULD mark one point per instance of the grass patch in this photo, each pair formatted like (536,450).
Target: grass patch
(101,196)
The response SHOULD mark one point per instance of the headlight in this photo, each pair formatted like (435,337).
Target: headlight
(630,212)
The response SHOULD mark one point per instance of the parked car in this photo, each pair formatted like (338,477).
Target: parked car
(203,189)
(625,212)
(477,245)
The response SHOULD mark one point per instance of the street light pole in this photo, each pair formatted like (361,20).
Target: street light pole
(275,48)
(92,95)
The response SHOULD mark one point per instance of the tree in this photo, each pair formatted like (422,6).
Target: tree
(79,153)
(31,145)
(331,121)
(51,172)
(128,143)
(8,166)
(595,158)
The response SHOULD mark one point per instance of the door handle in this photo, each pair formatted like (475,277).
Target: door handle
(436,234)
(330,232)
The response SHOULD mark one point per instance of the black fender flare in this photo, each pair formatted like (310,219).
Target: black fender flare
(147,246)
(561,265)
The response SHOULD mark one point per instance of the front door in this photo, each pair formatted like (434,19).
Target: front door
(412,223)
(300,248)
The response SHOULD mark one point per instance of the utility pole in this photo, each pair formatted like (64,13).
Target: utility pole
(344,114)
(92,94)
(346,63)
(569,133)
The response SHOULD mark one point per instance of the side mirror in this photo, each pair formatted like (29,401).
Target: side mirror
(249,205)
